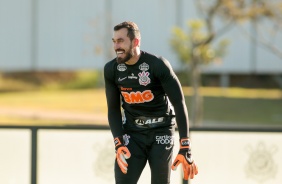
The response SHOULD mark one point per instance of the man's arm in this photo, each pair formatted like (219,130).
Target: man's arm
(114,117)
(113,102)
(173,89)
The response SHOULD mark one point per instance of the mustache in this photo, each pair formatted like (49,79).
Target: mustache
(120,50)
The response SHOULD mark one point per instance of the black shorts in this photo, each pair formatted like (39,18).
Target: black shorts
(154,146)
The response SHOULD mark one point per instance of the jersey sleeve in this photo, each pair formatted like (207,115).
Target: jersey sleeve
(173,89)
(113,101)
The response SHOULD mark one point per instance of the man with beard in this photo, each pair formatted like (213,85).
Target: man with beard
(151,97)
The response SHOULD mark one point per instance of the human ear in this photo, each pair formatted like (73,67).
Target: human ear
(136,42)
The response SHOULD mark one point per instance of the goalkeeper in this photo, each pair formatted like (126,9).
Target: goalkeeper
(147,89)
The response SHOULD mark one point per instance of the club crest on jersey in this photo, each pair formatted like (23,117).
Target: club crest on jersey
(121,67)
(144,67)
(144,78)
(126,139)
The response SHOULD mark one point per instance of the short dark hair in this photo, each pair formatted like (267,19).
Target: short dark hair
(133,30)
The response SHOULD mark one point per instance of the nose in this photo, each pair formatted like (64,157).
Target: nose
(116,46)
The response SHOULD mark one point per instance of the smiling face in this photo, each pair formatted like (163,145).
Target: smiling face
(123,46)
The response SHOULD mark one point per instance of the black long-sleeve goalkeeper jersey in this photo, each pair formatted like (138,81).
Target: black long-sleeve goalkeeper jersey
(142,90)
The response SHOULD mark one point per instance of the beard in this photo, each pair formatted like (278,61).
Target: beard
(128,55)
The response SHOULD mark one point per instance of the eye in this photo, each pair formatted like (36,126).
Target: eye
(118,41)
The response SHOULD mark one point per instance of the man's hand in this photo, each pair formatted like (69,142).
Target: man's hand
(122,153)
(184,157)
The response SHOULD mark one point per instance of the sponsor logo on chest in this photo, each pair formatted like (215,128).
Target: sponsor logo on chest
(137,97)
(121,67)
(132,76)
(149,121)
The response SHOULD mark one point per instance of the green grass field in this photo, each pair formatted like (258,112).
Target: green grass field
(234,106)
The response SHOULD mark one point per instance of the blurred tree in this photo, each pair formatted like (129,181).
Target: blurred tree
(196,47)
(264,15)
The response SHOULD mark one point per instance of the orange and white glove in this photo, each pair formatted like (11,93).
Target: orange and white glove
(184,157)
(122,153)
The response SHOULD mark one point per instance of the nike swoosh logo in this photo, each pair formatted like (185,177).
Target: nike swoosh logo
(121,79)
(168,147)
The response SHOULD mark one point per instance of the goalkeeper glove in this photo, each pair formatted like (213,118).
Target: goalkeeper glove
(122,153)
(184,157)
